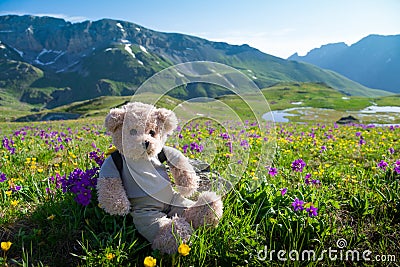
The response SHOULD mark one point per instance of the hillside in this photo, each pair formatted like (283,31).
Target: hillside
(374,61)
(70,62)
(314,98)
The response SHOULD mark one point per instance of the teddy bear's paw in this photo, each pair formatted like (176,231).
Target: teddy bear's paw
(187,182)
(207,210)
(112,197)
(172,233)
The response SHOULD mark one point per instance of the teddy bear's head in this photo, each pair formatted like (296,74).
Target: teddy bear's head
(140,130)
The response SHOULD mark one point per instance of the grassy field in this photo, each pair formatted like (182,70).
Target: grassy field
(326,187)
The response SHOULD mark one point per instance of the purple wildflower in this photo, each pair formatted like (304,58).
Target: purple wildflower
(244,144)
(362,141)
(83,197)
(391,150)
(312,211)
(7,144)
(225,136)
(196,147)
(307,178)
(185,147)
(80,183)
(382,165)
(99,159)
(298,165)
(298,205)
(15,188)
(315,182)
(283,191)
(397,167)
(229,144)
(272,171)
(2,177)
(57,180)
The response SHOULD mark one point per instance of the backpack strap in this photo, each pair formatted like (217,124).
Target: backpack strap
(117,158)
(161,156)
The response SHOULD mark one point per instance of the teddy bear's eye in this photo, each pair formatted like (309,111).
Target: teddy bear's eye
(133,132)
(152,133)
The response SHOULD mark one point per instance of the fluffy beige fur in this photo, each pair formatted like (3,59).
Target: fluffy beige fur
(112,197)
(206,211)
(173,231)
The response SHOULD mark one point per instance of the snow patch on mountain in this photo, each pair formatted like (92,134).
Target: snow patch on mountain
(119,25)
(19,52)
(129,50)
(143,49)
(50,54)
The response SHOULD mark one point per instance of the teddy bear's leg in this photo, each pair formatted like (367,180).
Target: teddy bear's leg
(150,219)
(178,205)
(173,231)
(207,210)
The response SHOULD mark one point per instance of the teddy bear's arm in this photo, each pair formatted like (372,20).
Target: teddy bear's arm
(184,175)
(110,190)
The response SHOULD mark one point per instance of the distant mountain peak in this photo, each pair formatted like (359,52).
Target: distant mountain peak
(374,61)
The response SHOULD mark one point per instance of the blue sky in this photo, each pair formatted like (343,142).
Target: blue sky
(277,27)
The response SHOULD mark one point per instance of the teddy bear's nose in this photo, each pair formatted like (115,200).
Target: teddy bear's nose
(146,144)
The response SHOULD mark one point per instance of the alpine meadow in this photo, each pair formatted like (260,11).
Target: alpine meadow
(313,182)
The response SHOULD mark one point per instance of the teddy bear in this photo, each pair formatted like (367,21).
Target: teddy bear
(161,209)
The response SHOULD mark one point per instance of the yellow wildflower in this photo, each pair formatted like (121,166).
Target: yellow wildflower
(183,249)
(150,262)
(5,246)
(14,203)
(110,256)
(110,150)
(51,217)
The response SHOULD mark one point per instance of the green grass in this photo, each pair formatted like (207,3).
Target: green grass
(356,200)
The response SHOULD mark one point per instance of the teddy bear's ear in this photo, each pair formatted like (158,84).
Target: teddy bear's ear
(167,119)
(114,119)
